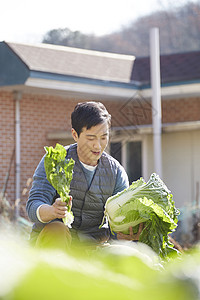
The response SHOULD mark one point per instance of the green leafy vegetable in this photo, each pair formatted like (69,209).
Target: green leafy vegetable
(122,270)
(59,171)
(150,203)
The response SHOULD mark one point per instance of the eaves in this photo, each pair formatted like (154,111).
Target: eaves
(173,89)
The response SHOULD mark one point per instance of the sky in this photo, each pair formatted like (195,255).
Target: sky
(27,21)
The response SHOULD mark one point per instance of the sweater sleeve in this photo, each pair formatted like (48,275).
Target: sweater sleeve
(42,192)
(122,181)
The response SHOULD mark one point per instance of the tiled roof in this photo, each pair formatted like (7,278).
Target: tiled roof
(174,68)
(95,65)
(75,62)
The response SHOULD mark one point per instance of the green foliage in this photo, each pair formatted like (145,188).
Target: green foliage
(150,203)
(59,171)
(116,271)
(178,25)
(66,37)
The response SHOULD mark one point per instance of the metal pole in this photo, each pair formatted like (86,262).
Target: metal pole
(156,99)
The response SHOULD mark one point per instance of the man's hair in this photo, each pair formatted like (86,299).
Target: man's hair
(88,114)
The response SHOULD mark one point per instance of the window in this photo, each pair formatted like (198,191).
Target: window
(130,154)
(134,160)
(116,151)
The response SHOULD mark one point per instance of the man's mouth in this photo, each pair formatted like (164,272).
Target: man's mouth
(96,153)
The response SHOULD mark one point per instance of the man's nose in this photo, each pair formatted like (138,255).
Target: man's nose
(97,144)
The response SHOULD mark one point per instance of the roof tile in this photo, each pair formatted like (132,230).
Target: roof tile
(75,62)
(174,68)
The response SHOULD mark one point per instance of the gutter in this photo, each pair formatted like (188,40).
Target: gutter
(78,89)
(17,98)
(148,128)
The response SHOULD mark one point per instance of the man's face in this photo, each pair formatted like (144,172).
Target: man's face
(91,143)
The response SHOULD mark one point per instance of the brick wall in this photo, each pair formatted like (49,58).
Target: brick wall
(132,112)
(181,110)
(38,115)
(41,114)
(139,111)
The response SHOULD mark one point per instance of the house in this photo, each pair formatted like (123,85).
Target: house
(41,84)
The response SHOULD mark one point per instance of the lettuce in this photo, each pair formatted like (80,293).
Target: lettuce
(150,203)
(59,171)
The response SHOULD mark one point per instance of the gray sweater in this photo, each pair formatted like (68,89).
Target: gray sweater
(89,197)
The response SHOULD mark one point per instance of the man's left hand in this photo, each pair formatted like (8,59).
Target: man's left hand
(130,236)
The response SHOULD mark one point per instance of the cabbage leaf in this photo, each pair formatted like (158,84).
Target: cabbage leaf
(149,203)
(59,171)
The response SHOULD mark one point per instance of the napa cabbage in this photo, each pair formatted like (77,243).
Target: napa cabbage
(150,203)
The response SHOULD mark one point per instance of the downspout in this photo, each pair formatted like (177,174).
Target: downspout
(17,98)
(156,99)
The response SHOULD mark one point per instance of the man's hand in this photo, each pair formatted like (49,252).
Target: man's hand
(130,236)
(57,210)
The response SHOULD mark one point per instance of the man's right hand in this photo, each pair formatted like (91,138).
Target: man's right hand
(57,210)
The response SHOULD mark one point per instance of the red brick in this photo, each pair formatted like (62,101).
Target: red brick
(41,114)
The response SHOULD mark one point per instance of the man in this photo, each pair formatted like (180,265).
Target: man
(96,177)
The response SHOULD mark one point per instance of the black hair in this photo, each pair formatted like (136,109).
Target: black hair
(88,114)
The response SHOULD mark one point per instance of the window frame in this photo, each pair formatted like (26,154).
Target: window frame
(134,138)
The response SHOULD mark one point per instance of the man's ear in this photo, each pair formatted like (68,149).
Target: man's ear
(74,134)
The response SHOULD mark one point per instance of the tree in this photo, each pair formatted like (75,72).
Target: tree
(179,28)
(66,37)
